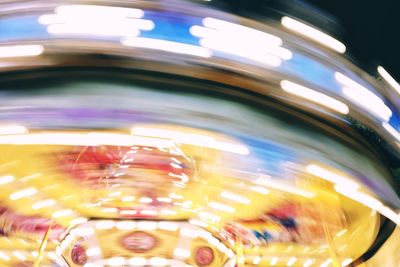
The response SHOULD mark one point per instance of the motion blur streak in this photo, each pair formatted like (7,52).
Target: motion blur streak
(90,139)
(331,177)
(168,46)
(240,31)
(96,20)
(109,11)
(364,97)
(12,129)
(239,50)
(23,193)
(391,130)
(241,41)
(361,197)
(177,133)
(314,96)
(308,263)
(313,34)
(20,51)
(326,263)
(389,79)
(284,187)
(191,139)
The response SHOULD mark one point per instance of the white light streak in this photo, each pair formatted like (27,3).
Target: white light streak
(157,261)
(390,214)
(12,129)
(210,217)
(260,190)
(198,223)
(391,130)
(84,231)
(4,256)
(164,199)
(240,31)
(93,252)
(182,253)
(364,97)
(235,197)
(314,96)
(109,11)
(137,261)
(109,210)
(93,29)
(147,226)
(96,20)
(149,212)
(222,207)
(228,46)
(62,213)
(188,232)
(104,225)
(341,232)
(145,200)
(128,212)
(116,261)
(43,204)
(20,51)
(347,261)
(313,34)
(331,177)
(363,198)
(274,261)
(168,226)
(168,46)
(23,193)
(168,212)
(128,199)
(191,139)
(6,179)
(284,187)
(19,255)
(78,139)
(308,263)
(326,263)
(291,261)
(256,260)
(78,221)
(389,79)
(126,225)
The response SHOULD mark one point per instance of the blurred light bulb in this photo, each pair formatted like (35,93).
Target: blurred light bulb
(314,96)
(313,34)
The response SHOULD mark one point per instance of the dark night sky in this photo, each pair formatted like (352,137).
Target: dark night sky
(369,28)
(371,31)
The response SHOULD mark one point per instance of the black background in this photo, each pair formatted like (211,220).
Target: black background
(371,31)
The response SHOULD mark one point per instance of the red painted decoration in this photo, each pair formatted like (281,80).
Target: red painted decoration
(204,256)
(139,242)
(78,255)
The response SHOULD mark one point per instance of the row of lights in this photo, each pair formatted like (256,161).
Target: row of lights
(352,90)
(344,186)
(137,261)
(185,230)
(350,189)
(143,136)
(222,36)
(273,261)
(24,255)
(342,182)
